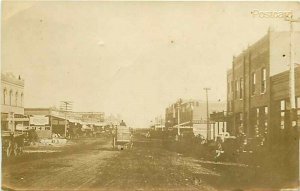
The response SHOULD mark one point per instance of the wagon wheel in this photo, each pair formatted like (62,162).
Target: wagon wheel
(9,149)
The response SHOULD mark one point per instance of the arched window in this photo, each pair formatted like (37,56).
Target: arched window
(4,95)
(10,97)
(16,99)
(22,95)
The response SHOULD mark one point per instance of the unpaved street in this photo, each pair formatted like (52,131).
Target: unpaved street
(72,168)
(92,164)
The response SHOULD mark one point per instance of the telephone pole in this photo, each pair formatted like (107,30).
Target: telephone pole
(292,86)
(207,113)
(292,70)
(66,106)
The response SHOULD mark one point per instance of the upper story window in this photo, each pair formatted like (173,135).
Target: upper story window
(16,99)
(263,80)
(237,87)
(253,83)
(4,96)
(282,105)
(22,97)
(282,114)
(241,88)
(10,97)
(266,110)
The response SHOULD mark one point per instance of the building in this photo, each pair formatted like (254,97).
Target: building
(113,119)
(280,105)
(93,117)
(12,102)
(218,123)
(158,124)
(192,114)
(48,121)
(252,84)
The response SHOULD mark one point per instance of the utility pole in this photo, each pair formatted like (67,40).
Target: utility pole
(66,106)
(292,70)
(292,85)
(292,82)
(207,113)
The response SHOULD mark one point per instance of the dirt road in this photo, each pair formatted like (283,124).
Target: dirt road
(71,168)
(93,165)
(96,166)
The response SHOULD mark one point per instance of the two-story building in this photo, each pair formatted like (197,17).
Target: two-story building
(249,92)
(12,102)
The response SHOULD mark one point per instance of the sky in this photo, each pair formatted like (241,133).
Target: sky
(128,58)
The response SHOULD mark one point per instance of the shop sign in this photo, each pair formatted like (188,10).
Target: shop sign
(20,127)
(39,120)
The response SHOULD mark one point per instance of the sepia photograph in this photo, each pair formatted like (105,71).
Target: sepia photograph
(150,95)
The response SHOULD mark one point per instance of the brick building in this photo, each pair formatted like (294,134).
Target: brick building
(251,83)
(280,105)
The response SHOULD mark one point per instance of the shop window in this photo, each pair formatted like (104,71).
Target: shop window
(253,83)
(263,80)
